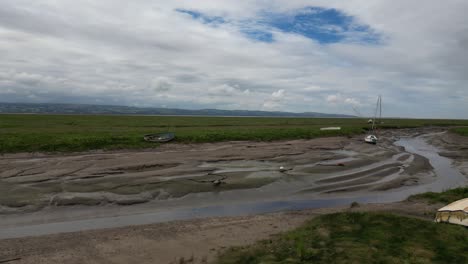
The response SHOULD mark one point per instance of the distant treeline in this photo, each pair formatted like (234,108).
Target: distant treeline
(32,108)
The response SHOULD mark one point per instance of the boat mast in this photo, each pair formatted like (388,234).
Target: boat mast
(380,104)
(378,110)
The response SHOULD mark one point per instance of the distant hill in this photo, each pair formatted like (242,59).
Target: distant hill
(23,108)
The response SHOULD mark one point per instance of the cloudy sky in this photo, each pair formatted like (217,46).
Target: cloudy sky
(321,56)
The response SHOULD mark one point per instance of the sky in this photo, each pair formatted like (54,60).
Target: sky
(325,56)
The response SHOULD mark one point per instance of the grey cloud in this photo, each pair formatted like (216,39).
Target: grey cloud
(187,78)
(160,85)
(144,53)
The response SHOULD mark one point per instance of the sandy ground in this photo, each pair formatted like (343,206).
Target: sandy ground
(198,240)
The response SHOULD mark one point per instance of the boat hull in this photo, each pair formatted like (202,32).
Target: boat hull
(162,137)
(371,139)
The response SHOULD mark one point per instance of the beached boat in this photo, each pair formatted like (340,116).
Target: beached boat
(161,137)
(371,137)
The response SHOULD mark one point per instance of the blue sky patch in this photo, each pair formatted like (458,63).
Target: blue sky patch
(323,25)
(258,35)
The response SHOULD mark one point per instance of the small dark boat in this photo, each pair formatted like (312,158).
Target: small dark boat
(162,137)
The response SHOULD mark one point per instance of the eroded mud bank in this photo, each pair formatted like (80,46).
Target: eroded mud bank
(322,167)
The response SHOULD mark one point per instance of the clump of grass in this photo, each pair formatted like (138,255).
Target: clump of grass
(359,238)
(442,197)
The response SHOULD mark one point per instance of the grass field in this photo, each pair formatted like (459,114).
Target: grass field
(50,133)
(359,238)
(443,197)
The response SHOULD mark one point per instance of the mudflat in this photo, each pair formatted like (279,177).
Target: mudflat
(31,182)
(41,189)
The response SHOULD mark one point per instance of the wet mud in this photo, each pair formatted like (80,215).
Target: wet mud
(31,182)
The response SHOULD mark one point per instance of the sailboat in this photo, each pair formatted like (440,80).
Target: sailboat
(371,137)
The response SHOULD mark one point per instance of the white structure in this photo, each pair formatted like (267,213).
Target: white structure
(455,213)
(330,128)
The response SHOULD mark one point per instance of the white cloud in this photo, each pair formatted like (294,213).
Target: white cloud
(333,98)
(275,101)
(278,94)
(150,55)
(352,101)
(314,88)
(270,105)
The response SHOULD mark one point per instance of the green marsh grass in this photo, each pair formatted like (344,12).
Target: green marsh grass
(358,238)
(442,197)
(461,131)
(64,133)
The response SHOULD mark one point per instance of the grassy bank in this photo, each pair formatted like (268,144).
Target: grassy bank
(359,238)
(25,133)
(443,197)
(461,131)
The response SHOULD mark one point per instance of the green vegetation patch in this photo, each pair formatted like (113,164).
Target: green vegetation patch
(359,238)
(443,197)
(64,133)
(461,131)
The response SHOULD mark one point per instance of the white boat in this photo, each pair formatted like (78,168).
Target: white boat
(371,137)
